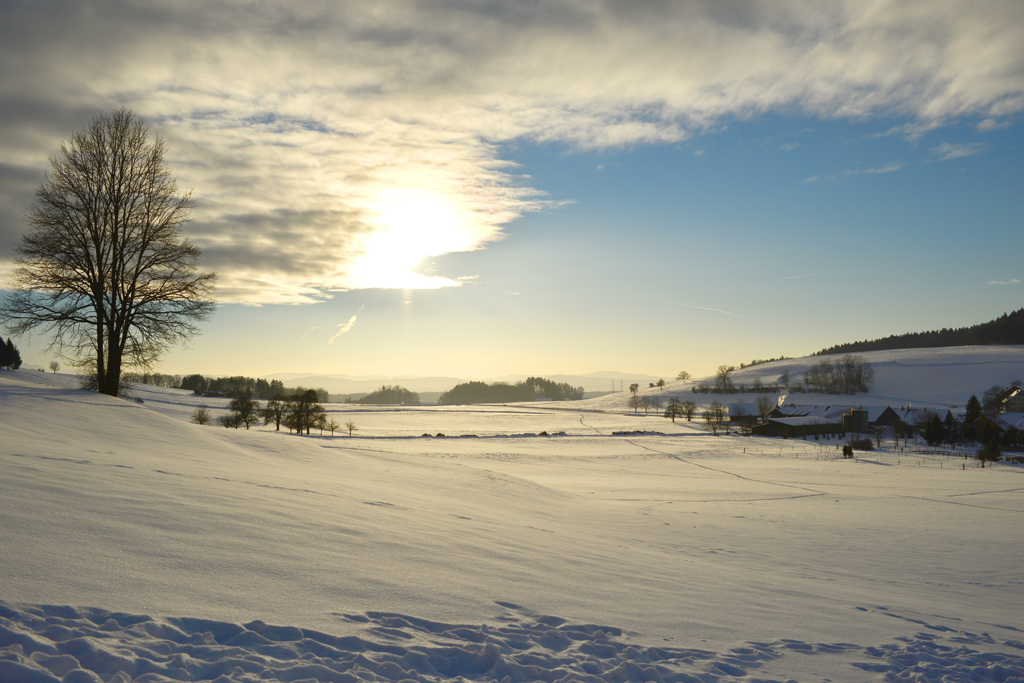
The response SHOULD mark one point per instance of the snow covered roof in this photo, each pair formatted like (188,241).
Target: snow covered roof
(794,410)
(804,420)
(912,415)
(836,412)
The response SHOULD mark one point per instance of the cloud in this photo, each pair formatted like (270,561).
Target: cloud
(312,329)
(1011,281)
(703,308)
(345,327)
(812,179)
(993,124)
(789,146)
(303,126)
(888,168)
(950,150)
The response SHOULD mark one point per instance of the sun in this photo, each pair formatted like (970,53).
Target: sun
(410,227)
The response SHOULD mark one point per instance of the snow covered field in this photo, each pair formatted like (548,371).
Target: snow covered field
(137,547)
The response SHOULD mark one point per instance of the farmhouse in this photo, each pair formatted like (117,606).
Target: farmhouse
(1011,401)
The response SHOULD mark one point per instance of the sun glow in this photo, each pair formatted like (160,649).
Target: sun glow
(409,228)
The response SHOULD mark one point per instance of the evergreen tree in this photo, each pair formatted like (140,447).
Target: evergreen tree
(934,432)
(10,357)
(952,429)
(973,410)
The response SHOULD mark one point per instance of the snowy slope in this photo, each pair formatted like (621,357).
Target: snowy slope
(926,377)
(140,547)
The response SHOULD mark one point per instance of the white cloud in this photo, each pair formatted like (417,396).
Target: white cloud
(888,168)
(296,123)
(1011,281)
(950,150)
(346,327)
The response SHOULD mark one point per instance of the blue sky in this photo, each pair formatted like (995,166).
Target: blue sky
(495,189)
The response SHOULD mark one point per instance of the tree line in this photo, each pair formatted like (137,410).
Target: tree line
(239,385)
(501,392)
(1006,329)
(847,375)
(299,412)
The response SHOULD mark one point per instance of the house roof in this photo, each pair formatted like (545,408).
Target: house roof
(1008,394)
(795,410)
(874,412)
(804,420)
(911,415)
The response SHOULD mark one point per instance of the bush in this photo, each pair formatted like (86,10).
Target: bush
(991,452)
(847,451)
(863,445)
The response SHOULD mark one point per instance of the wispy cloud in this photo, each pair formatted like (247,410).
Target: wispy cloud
(305,127)
(789,146)
(703,308)
(346,327)
(311,330)
(1012,281)
(993,124)
(951,150)
(888,168)
(914,130)
(812,179)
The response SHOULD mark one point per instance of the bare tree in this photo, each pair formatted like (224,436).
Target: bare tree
(635,402)
(54,366)
(715,416)
(722,379)
(304,411)
(245,409)
(765,405)
(674,409)
(683,375)
(634,387)
(333,425)
(689,408)
(660,384)
(275,411)
(105,269)
(351,427)
(646,403)
(201,415)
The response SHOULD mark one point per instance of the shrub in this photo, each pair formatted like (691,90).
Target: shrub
(863,445)
(847,451)
(991,452)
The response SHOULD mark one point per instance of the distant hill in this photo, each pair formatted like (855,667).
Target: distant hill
(1006,329)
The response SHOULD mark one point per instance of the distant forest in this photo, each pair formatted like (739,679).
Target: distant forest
(1006,329)
(501,392)
(388,395)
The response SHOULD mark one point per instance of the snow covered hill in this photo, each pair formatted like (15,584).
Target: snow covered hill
(942,377)
(139,547)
